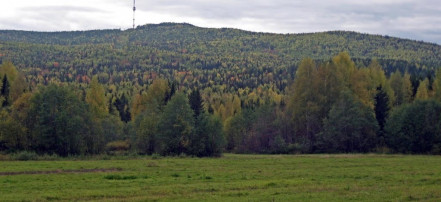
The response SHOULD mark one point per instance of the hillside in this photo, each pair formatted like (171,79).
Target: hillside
(176,88)
(208,41)
(223,56)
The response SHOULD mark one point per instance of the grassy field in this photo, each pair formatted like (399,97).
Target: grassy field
(230,178)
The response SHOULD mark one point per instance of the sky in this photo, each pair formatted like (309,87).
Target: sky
(411,19)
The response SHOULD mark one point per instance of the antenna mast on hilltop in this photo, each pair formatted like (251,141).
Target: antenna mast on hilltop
(134,9)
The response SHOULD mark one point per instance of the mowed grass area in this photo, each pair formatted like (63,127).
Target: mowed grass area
(230,178)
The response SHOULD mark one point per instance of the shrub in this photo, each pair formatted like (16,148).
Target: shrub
(415,128)
(117,147)
(24,156)
(156,156)
(4,157)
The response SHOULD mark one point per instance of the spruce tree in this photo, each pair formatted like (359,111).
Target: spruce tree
(122,105)
(5,91)
(196,104)
(381,107)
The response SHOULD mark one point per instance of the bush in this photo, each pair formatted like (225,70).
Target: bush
(382,150)
(117,147)
(415,128)
(156,156)
(279,146)
(4,157)
(24,156)
(296,148)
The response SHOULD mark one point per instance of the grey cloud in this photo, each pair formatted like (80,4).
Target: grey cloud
(56,18)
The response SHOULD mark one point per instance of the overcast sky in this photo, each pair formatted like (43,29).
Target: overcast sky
(414,19)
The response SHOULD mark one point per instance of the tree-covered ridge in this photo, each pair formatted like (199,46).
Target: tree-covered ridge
(224,60)
(186,38)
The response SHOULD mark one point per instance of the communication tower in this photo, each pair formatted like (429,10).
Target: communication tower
(134,9)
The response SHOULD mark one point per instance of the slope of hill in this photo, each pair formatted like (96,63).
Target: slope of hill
(175,37)
(223,56)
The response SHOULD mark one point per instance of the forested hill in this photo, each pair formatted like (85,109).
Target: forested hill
(225,42)
(176,88)
(201,57)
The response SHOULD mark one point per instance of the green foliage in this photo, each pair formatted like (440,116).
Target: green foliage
(350,127)
(122,106)
(154,100)
(304,105)
(146,110)
(25,156)
(176,125)
(117,147)
(381,107)
(96,99)
(397,84)
(264,129)
(110,127)
(207,138)
(4,92)
(12,133)
(8,69)
(422,92)
(147,131)
(237,129)
(279,145)
(18,87)
(437,85)
(62,123)
(196,104)
(415,128)
(225,60)
(242,78)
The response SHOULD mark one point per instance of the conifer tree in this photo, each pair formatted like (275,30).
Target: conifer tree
(5,91)
(381,107)
(196,104)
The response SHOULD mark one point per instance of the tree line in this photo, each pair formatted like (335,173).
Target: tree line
(57,119)
(333,106)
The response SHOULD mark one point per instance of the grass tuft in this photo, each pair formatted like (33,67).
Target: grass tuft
(119,177)
(175,175)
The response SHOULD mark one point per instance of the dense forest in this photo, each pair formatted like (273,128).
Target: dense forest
(179,89)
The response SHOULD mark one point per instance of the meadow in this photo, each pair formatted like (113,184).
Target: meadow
(368,177)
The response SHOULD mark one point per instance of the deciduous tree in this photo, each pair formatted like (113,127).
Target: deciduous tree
(350,126)
(62,123)
(176,125)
